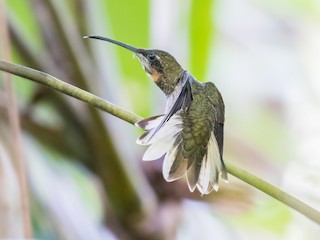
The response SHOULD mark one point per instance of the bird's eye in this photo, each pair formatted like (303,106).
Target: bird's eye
(151,56)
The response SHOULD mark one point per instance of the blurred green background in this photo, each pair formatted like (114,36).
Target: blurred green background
(85,174)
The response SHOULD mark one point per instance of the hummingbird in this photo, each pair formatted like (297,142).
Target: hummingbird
(190,132)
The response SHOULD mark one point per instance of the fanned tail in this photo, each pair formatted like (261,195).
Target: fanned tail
(202,172)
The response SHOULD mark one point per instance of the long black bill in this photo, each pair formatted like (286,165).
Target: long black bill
(133,49)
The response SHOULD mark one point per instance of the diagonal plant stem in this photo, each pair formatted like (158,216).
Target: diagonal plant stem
(65,88)
(274,192)
(52,82)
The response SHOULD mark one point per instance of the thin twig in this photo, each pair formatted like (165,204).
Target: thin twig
(274,192)
(52,82)
(129,117)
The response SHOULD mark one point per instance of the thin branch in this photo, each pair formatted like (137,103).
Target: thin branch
(129,117)
(52,82)
(274,192)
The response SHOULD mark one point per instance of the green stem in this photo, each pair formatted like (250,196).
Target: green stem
(274,192)
(63,87)
(129,117)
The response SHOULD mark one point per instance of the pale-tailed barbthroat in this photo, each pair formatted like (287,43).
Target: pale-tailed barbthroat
(190,132)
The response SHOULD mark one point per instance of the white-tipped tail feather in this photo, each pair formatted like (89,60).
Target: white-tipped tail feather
(149,123)
(211,168)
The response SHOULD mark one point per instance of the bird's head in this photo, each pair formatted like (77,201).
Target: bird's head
(161,66)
